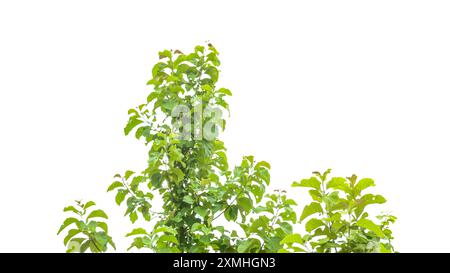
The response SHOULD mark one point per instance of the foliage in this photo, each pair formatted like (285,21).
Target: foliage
(91,234)
(188,170)
(337,221)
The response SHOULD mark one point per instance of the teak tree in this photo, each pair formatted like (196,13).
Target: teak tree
(188,170)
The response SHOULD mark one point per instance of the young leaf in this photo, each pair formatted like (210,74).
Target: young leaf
(103,226)
(89,204)
(228,93)
(114,185)
(70,235)
(97,213)
(292,238)
(137,231)
(71,208)
(368,224)
(311,209)
(133,122)
(133,217)
(310,183)
(67,223)
(120,196)
(338,183)
(364,184)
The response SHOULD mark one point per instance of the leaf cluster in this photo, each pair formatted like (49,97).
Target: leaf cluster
(88,229)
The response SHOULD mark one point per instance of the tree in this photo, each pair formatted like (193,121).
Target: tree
(188,169)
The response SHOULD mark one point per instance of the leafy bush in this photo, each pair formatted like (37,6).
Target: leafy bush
(188,169)
(340,222)
(94,234)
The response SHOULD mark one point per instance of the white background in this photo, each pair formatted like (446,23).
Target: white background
(357,86)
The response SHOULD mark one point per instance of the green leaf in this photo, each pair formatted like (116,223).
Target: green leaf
(103,226)
(92,226)
(312,224)
(290,202)
(207,87)
(338,183)
(133,217)
(133,112)
(168,238)
(311,209)
(168,105)
(137,231)
(136,181)
(292,238)
(372,199)
(262,164)
(97,213)
(152,96)
(309,183)
(196,226)
(165,54)
(89,204)
(70,235)
(258,192)
(66,223)
(111,242)
(264,174)
(323,176)
(128,174)
(74,245)
(213,73)
(188,199)
(384,248)
(201,211)
(157,70)
(175,154)
(114,185)
(214,177)
(85,246)
(315,195)
(245,203)
(249,245)
(223,103)
(178,173)
(366,200)
(71,208)
(120,196)
(165,229)
(212,57)
(226,92)
(132,122)
(286,227)
(368,224)
(363,184)
(168,250)
(156,179)
(231,213)
(200,49)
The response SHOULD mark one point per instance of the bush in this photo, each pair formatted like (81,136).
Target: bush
(188,169)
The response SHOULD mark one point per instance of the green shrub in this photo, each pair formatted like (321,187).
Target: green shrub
(188,169)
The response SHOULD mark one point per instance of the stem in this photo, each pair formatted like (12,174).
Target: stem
(128,188)
(229,205)
(95,245)
(275,218)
